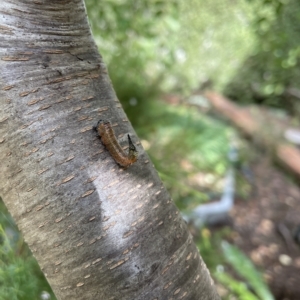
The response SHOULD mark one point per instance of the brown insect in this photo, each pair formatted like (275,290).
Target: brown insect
(111,143)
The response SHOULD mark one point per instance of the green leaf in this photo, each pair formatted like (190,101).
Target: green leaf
(238,288)
(244,267)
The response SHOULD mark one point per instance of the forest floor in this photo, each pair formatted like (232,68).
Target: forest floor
(265,225)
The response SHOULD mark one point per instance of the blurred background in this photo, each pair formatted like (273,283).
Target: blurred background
(228,157)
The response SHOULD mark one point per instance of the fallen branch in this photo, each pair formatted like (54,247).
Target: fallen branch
(262,133)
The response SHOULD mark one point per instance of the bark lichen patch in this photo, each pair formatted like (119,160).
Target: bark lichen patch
(44,107)
(67,179)
(66,287)
(150,184)
(142,218)
(35,100)
(134,197)
(105,108)
(167,285)
(23,126)
(96,153)
(189,256)
(119,263)
(140,205)
(96,261)
(79,284)
(82,118)
(15,58)
(109,226)
(5,29)
(87,193)
(130,249)
(177,291)
(133,224)
(67,159)
(53,51)
(105,218)
(163,272)
(16,172)
(91,179)
(39,207)
(40,172)
(27,153)
(94,76)
(183,295)
(87,128)
(127,234)
(87,266)
(26,93)
(61,79)
(47,139)
(113,183)
(3,119)
(88,98)
(48,131)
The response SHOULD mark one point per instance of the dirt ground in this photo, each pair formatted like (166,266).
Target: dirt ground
(265,225)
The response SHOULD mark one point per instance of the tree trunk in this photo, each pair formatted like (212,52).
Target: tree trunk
(97,230)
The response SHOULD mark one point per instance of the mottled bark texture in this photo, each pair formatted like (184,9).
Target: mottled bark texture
(97,231)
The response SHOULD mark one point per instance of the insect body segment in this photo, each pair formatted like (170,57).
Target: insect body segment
(111,143)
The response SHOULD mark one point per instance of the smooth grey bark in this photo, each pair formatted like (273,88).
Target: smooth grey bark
(97,231)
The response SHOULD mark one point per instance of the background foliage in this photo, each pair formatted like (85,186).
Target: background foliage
(270,74)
